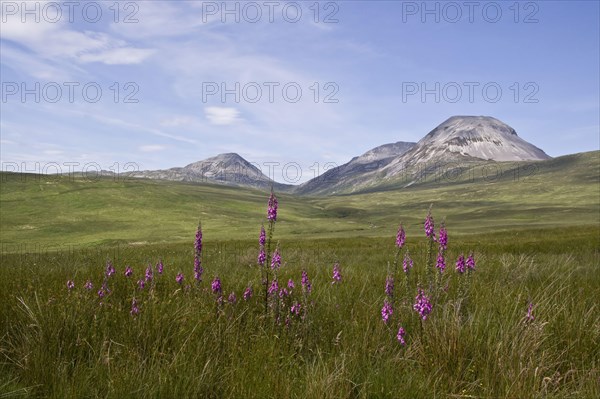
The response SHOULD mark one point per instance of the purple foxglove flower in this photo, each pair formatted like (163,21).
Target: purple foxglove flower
(110,269)
(306,285)
(296,308)
(422,304)
(88,285)
(198,270)
(389,286)
(216,286)
(386,311)
(262,238)
(441,262)
(291,284)
(128,271)
(105,287)
(407,263)
(179,278)
(530,317)
(141,284)
(232,298)
(134,308)
(470,263)
(149,273)
(273,288)
(400,336)
(198,240)
(198,275)
(247,293)
(70,284)
(276,260)
(262,257)
(400,237)
(283,293)
(460,264)
(272,208)
(160,267)
(337,275)
(429,226)
(101,293)
(443,238)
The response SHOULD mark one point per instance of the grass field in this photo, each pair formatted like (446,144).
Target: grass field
(536,243)
(63,211)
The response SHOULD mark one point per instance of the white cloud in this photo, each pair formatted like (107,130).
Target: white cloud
(221,115)
(118,56)
(23,62)
(57,41)
(152,148)
(163,19)
(126,124)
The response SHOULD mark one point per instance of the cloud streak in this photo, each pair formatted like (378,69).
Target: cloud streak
(221,115)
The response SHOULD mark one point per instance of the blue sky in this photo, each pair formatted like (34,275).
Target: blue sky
(366,63)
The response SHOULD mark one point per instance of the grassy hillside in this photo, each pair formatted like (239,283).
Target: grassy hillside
(54,211)
(523,324)
(498,196)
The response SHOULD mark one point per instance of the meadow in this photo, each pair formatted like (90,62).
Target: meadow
(524,323)
(42,212)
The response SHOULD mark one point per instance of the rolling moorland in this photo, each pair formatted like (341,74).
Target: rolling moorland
(53,211)
(524,324)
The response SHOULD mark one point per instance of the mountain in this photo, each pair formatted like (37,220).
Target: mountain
(354,170)
(229,169)
(469,138)
(462,141)
(459,141)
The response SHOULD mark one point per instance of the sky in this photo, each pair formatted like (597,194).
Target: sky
(294,87)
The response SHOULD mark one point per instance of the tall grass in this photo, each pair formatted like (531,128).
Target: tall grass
(58,343)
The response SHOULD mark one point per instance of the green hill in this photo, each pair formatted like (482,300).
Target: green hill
(54,211)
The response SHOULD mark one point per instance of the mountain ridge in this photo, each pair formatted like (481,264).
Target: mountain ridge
(226,168)
(459,139)
(370,161)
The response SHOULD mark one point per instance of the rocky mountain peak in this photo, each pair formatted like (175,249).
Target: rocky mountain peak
(476,137)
